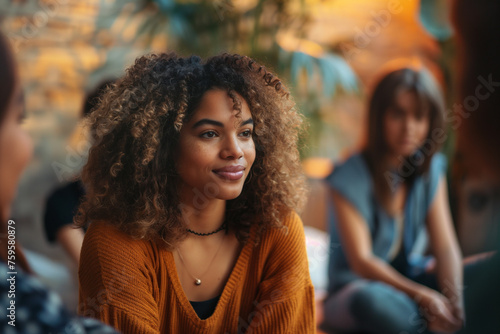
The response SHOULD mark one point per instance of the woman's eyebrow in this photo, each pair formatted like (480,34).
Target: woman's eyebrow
(248,121)
(207,121)
(217,123)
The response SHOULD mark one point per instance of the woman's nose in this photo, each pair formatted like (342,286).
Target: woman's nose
(231,149)
(409,124)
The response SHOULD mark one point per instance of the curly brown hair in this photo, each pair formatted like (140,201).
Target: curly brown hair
(130,176)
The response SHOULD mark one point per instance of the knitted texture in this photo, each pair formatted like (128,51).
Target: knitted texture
(133,285)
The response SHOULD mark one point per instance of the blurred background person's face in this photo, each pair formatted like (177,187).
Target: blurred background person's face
(16,149)
(405,126)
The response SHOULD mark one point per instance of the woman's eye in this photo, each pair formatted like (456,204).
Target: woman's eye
(246,133)
(396,114)
(209,134)
(422,116)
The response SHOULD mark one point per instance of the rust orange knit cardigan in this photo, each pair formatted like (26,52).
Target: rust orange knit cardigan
(133,285)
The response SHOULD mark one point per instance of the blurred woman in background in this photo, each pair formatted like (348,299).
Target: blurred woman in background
(385,199)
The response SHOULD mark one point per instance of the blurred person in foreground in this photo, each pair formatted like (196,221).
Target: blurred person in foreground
(27,306)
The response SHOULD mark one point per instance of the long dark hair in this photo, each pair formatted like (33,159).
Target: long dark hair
(421,82)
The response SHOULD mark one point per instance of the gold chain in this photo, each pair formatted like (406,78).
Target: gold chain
(197,280)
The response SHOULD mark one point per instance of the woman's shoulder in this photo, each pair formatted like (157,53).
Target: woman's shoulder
(438,164)
(352,172)
(437,169)
(352,180)
(430,181)
(293,222)
(100,230)
(289,233)
(105,240)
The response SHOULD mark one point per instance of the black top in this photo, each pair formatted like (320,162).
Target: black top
(61,207)
(400,263)
(206,308)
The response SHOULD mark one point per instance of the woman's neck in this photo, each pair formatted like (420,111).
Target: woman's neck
(201,213)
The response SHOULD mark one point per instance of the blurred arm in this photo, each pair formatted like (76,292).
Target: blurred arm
(71,239)
(445,248)
(357,244)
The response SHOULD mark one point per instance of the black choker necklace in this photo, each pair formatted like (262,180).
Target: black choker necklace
(223,226)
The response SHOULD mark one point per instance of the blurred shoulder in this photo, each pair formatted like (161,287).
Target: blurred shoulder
(438,164)
(352,172)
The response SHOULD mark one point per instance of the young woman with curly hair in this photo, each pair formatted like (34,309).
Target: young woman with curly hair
(192,186)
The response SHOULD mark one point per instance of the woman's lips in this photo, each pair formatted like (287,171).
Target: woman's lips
(407,142)
(231,173)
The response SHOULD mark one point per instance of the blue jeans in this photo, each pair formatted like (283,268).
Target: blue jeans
(373,307)
(365,306)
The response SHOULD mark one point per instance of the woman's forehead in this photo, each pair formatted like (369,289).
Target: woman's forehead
(217,104)
(410,99)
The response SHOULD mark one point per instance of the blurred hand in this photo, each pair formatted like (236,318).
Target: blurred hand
(458,311)
(441,315)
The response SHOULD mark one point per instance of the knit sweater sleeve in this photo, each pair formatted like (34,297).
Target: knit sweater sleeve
(285,301)
(116,281)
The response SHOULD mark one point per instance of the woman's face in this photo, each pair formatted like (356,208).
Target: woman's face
(216,148)
(405,126)
(16,149)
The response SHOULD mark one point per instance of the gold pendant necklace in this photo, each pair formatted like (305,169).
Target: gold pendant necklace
(197,280)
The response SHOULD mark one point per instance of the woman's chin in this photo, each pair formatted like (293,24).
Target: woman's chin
(229,195)
(407,151)
(228,190)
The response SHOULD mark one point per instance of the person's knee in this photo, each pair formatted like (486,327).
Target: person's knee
(370,299)
(381,306)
